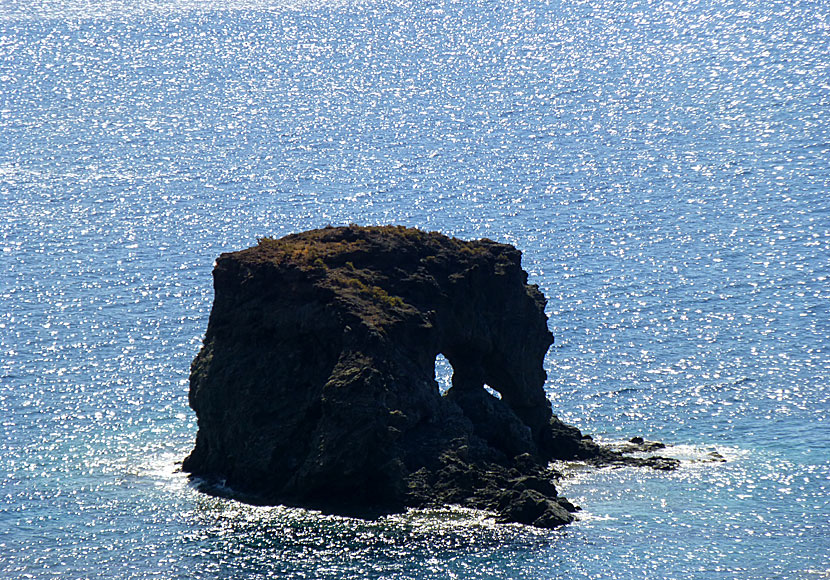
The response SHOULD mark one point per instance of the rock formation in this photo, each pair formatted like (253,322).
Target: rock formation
(316,386)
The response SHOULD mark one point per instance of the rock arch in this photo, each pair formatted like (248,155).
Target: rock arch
(316,382)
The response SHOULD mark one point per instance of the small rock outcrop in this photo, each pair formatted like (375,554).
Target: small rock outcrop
(316,386)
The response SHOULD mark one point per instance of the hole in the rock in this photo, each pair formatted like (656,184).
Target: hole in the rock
(443,373)
(492,391)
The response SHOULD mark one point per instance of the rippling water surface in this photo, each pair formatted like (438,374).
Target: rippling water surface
(663,166)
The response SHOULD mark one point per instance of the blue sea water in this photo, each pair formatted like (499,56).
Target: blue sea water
(663,165)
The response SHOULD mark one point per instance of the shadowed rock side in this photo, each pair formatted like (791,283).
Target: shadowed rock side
(316,385)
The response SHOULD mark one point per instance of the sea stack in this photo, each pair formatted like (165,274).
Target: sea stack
(316,387)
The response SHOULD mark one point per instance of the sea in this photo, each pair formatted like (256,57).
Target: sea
(664,166)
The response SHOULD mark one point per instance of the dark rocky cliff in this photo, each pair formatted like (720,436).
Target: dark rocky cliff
(316,384)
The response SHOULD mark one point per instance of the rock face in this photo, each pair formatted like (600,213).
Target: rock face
(316,382)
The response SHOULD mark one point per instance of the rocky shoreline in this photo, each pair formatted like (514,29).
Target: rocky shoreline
(315,385)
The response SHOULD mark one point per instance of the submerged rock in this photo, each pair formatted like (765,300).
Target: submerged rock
(316,386)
